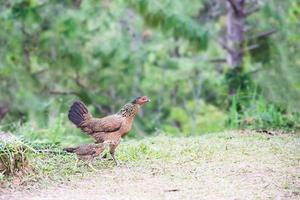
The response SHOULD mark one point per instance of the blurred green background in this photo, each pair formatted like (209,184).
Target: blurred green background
(106,53)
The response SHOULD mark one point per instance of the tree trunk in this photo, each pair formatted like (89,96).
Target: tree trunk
(235,32)
(234,44)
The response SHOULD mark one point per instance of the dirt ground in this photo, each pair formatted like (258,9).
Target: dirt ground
(208,181)
(250,169)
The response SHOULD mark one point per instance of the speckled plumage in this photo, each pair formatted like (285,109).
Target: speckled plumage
(109,129)
(129,110)
(86,152)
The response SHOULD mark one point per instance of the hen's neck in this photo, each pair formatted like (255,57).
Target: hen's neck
(129,110)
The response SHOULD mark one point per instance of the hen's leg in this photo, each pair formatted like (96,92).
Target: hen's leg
(91,166)
(104,156)
(112,148)
(76,163)
(89,162)
(99,151)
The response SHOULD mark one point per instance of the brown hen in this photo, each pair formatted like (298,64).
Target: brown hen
(109,129)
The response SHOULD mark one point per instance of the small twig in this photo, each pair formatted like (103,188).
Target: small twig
(234,6)
(54,92)
(171,190)
(266,185)
(102,109)
(50,151)
(251,47)
(264,34)
(225,46)
(254,71)
(217,60)
(247,28)
(40,71)
(252,10)
(77,81)
(98,107)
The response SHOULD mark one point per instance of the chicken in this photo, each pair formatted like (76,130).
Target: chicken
(86,152)
(110,129)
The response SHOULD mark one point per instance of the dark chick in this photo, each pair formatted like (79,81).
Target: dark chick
(109,129)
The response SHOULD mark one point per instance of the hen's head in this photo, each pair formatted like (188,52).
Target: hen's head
(141,100)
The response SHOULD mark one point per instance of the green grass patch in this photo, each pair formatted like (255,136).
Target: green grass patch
(13,157)
(51,164)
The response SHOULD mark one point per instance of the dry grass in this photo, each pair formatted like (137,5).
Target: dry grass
(14,163)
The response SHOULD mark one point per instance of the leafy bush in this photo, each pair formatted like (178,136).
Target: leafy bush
(256,112)
(196,120)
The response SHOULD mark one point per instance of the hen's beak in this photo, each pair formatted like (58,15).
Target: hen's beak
(148,100)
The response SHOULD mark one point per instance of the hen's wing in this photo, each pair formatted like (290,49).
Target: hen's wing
(107,124)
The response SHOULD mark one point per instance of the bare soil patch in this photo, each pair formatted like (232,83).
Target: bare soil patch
(238,166)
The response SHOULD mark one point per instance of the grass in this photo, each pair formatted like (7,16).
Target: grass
(13,157)
(255,112)
(227,149)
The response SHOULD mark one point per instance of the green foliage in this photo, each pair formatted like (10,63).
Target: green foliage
(208,119)
(58,132)
(168,17)
(106,53)
(278,78)
(256,112)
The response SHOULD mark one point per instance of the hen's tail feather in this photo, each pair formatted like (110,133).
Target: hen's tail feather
(70,149)
(78,113)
